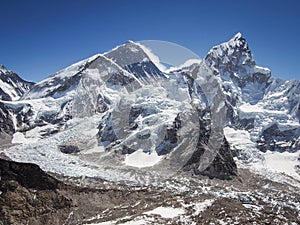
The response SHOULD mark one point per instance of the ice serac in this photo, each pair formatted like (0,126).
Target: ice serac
(268,108)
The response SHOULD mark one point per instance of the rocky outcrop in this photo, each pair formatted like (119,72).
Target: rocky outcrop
(275,139)
(6,125)
(27,193)
(30,196)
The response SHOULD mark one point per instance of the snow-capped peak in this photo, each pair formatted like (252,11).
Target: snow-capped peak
(3,69)
(136,59)
(234,49)
(12,87)
(237,36)
(127,54)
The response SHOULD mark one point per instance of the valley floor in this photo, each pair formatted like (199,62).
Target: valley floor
(182,199)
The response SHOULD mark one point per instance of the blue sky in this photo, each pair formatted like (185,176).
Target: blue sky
(38,38)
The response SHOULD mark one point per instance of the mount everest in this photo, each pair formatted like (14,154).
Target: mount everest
(117,116)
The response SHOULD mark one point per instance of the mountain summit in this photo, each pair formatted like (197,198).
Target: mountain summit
(264,106)
(12,87)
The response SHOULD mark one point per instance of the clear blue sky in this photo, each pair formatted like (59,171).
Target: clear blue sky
(38,38)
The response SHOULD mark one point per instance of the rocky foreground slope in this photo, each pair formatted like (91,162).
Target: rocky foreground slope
(29,196)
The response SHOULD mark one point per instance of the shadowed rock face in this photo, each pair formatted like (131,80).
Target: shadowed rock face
(132,58)
(27,192)
(6,125)
(274,139)
(27,175)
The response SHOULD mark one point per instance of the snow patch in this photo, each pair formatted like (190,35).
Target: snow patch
(30,137)
(166,212)
(284,162)
(186,64)
(19,138)
(141,159)
(202,206)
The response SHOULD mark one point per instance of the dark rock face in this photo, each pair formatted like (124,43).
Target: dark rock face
(132,58)
(119,79)
(274,139)
(69,149)
(144,69)
(223,166)
(171,138)
(61,86)
(17,88)
(28,192)
(6,125)
(28,175)
(238,53)
(106,134)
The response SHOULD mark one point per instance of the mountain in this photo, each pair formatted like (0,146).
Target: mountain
(118,113)
(136,59)
(125,118)
(136,144)
(263,111)
(12,87)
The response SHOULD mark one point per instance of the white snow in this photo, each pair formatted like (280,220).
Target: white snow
(166,212)
(240,140)
(269,164)
(248,108)
(30,137)
(186,64)
(19,138)
(284,162)
(141,159)
(103,223)
(263,70)
(201,206)
(97,149)
(8,89)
